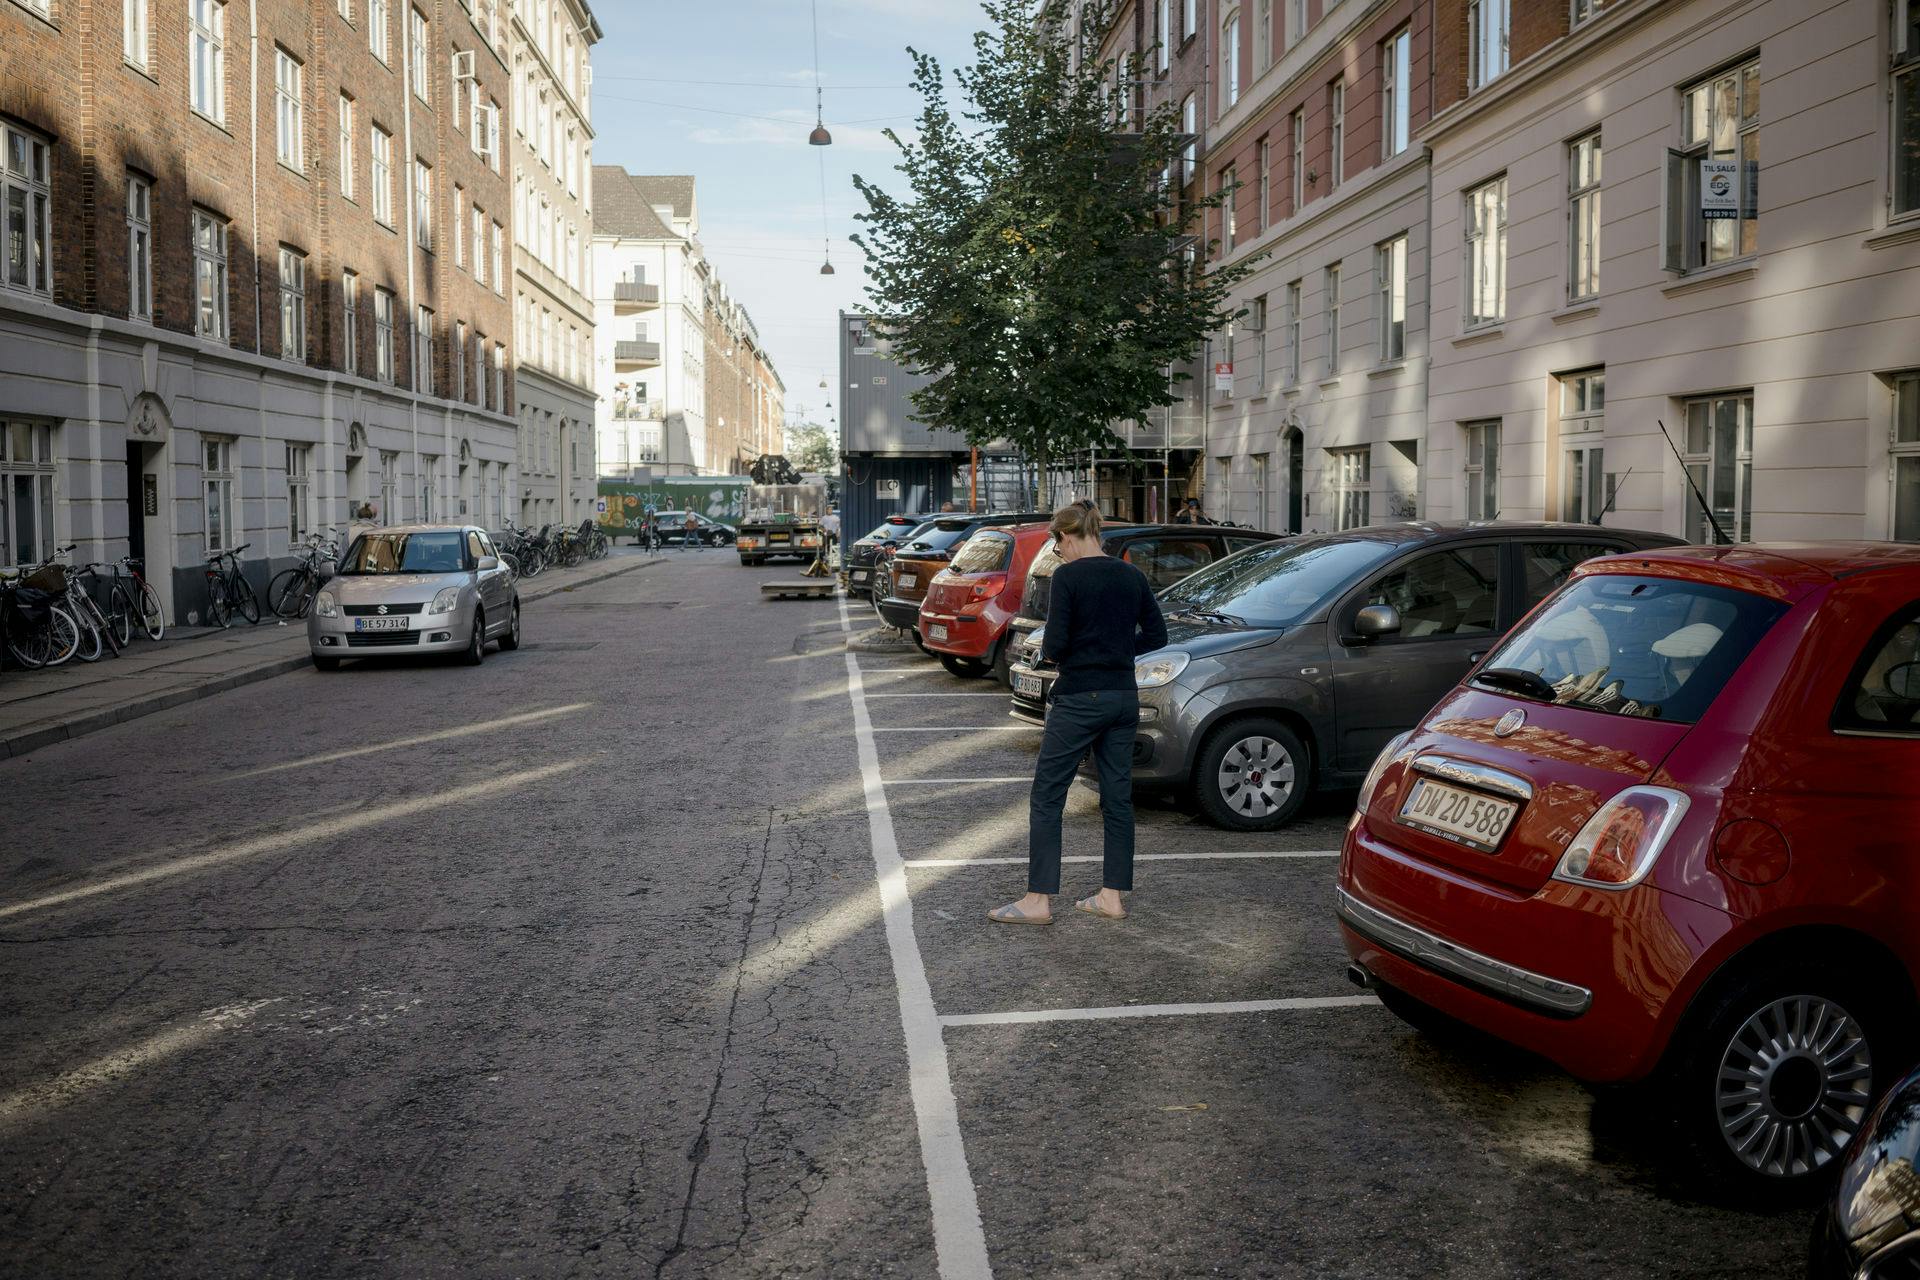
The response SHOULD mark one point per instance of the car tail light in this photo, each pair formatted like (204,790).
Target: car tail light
(1380,763)
(1618,845)
(990,586)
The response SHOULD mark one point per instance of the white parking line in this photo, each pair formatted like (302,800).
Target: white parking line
(1138,857)
(898,782)
(959,1240)
(1293,1004)
(1001,696)
(965,728)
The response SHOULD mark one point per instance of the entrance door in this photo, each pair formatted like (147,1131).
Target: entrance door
(137,500)
(1296,474)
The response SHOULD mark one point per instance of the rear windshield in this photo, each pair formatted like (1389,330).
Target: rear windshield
(1045,561)
(940,537)
(1276,584)
(888,529)
(375,553)
(1660,648)
(983,553)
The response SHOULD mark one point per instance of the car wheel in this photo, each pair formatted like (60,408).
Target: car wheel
(476,651)
(321,663)
(1003,662)
(1772,1080)
(511,641)
(965,668)
(1251,775)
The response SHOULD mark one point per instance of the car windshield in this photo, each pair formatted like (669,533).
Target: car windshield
(442,551)
(1276,584)
(983,553)
(940,537)
(1661,648)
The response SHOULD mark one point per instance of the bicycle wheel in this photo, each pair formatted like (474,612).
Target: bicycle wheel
(27,644)
(219,607)
(101,624)
(152,618)
(120,614)
(90,646)
(290,594)
(62,635)
(243,598)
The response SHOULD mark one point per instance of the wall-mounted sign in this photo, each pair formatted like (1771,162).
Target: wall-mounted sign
(150,495)
(888,489)
(1223,376)
(1719,189)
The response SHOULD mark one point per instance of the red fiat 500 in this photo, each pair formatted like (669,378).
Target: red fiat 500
(1669,830)
(969,604)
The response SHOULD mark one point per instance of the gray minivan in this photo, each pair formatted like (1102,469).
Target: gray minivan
(1289,665)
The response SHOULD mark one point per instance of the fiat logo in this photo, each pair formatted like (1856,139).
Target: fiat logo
(1509,724)
(383,609)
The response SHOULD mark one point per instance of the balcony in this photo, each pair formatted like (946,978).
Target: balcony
(639,410)
(630,297)
(632,353)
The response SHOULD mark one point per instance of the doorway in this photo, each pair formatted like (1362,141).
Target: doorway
(1296,477)
(147,513)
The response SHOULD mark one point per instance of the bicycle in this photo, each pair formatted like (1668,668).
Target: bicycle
(133,606)
(228,591)
(292,591)
(38,632)
(96,633)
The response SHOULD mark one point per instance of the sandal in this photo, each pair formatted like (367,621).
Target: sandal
(1012,914)
(1093,908)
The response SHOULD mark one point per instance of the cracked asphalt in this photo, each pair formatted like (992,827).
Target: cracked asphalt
(573,965)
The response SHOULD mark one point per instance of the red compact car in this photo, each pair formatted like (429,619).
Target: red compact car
(964,618)
(1669,831)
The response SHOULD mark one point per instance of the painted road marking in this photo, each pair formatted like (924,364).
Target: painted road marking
(1138,857)
(959,1239)
(898,782)
(936,694)
(965,728)
(1292,1004)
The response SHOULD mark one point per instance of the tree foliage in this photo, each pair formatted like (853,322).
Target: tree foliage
(1042,267)
(811,448)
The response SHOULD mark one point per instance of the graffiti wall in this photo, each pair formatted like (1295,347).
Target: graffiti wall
(621,507)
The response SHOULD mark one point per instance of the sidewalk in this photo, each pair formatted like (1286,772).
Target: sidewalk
(42,707)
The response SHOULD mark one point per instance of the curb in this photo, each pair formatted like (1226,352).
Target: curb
(92,722)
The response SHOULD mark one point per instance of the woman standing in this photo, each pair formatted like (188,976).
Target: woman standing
(1100,618)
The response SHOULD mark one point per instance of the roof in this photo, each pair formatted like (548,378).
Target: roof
(621,208)
(674,190)
(1782,568)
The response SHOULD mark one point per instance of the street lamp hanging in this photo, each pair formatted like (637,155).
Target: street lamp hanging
(819,137)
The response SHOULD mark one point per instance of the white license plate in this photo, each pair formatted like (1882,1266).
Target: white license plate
(936,631)
(908,580)
(381,624)
(1474,820)
(1026,686)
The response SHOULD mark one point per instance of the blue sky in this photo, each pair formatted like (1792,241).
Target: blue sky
(745,140)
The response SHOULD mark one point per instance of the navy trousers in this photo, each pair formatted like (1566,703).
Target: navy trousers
(1103,721)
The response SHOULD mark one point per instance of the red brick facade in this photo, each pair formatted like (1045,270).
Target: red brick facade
(1534,24)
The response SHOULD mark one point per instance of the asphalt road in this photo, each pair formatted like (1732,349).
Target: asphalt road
(591,962)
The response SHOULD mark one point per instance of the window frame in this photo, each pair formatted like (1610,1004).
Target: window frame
(422,204)
(1230,60)
(1903,91)
(289,110)
(1293,297)
(40,470)
(350,321)
(384,302)
(1336,134)
(1708,461)
(210,265)
(32,186)
(345,177)
(1583,419)
(1585,161)
(420,43)
(380,174)
(1352,487)
(1480,468)
(206,31)
(299,476)
(139,247)
(379,30)
(136,35)
(1297,139)
(218,478)
(293,304)
(1390,293)
(1484,247)
(1905,383)
(1266,182)
(1488,48)
(1688,236)
(1396,99)
(1330,282)
(423,370)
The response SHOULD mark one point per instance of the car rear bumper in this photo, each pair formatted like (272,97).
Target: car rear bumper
(896,612)
(968,635)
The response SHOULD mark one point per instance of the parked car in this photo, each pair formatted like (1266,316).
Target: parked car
(901,579)
(1274,684)
(964,619)
(415,588)
(707,532)
(1665,832)
(1871,1227)
(857,561)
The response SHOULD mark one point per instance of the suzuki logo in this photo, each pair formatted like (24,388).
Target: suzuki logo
(1509,724)
(383,609)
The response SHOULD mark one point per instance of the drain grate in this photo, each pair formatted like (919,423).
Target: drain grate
(562,646)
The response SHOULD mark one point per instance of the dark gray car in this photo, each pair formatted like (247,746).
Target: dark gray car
(1289,665)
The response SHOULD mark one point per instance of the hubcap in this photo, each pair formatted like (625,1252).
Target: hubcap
(1793,1086)
(1256,777)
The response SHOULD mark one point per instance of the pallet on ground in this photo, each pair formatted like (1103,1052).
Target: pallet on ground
(810,589)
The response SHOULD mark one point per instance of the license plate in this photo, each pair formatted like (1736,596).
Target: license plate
(936,631)
(1026,686)
(1472,819)
(908,580)
(380,624)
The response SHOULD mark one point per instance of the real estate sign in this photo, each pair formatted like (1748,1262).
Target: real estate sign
(1719,189)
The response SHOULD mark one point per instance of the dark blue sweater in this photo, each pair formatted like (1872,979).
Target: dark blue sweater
(1101,616)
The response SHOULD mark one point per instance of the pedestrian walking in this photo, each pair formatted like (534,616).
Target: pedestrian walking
(692,532)
(1101,617)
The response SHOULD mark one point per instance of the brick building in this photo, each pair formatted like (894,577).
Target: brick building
(258,280)
(743,419)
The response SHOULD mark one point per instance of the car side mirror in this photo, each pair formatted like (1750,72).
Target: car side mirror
(488,564)
(1376,620)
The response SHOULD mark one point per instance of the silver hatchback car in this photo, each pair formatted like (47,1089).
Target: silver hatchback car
(416,588)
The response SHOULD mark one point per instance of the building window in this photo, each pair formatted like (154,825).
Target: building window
(417,58)
(1261,462)
(346,9)
(346,146)
(1189,128)
(1396,85)
(1486,253)
(1257,322)
(459,225)
(1333,321)
(1296,21)
(1482,470)
(499,277)
(139,247)
(459,388)
(1229,207)
(1713,178)
(1189,18)
(1583,480)
(389,487)
(1336,134)
(1266,183)
(429,464)
(26,492)
(1352,485)
(207,58)
(423,350)
(1391,280)
(134,33)
(288,116)
(1262,35)
(381,149)
(499,377)
(1581,11)
(1906,106)
(1293,333)
(1905,462)
(1487,22)
(299,491)
(210,275)
(378,20)
(479,219)
(26,193)
(1719,461)
(423,204)
(1583,218)
(217,481)
(1230,62)
(1297,130)
(479,368)
(350,322)
(293,304)
(383,304)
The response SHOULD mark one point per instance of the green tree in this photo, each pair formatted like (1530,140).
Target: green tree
(810,448)
(1042,265)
